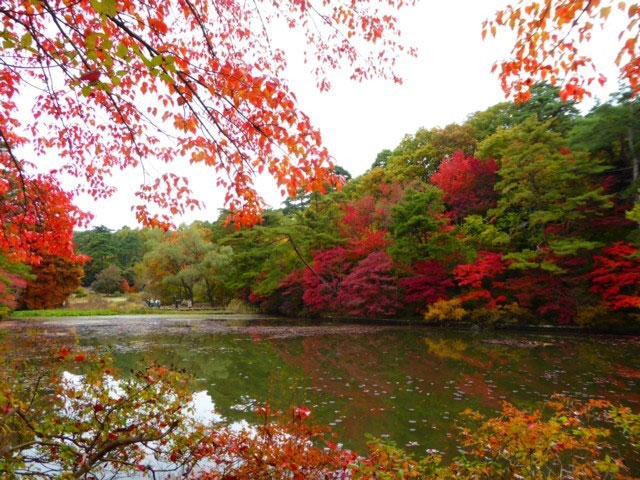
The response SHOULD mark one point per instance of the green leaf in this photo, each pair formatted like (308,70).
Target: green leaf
(166,78)
(26,40)
(122,51)
(90,41)
(108,60)
(86,90)
(156,61)
(106,7)
(551,267)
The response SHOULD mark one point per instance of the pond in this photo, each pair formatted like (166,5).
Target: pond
(405,383)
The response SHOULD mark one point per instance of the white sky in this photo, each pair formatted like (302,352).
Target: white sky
(450,79)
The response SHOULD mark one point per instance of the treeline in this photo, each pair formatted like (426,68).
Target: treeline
(523,213)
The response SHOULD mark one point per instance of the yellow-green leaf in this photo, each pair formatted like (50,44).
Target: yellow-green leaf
(25,41)
(106,7)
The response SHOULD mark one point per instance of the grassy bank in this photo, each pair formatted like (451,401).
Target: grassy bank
(86,303)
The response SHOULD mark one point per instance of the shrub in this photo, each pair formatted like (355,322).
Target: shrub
(239,306)
(446,311)
(80,292)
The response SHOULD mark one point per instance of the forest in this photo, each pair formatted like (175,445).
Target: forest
(522,214)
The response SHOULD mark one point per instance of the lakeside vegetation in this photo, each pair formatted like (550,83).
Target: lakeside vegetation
(523,214)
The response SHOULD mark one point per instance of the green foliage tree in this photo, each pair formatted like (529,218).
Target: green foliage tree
(612,131)
(542,183)
(123,248)
(108,280)
(98,244)
(545,105)
(214,271)
(171,269)
(381,159)
(419,229)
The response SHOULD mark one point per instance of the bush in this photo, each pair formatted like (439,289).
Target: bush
(446,311)
(239,306)
(80,292)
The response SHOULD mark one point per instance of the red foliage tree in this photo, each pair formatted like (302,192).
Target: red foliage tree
(37,217)
(289,294)
(125,287)
(481,276)
(487,265)
(370,290)
(467,184)
(368,242)
(365,221)
(371,211)
(616,276)
(546,294)
(322,281)
(428,284)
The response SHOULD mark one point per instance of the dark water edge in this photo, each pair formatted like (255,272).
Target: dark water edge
(624,330)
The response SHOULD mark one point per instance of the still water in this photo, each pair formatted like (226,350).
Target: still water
(407,384)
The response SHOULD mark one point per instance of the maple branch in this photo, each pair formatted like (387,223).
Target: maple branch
(18,167)
(311,269)
(118,443)
(69,6)
(205,34)
(573,25)
(123,26)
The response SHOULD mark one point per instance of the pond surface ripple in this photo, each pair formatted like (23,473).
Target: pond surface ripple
(405,383)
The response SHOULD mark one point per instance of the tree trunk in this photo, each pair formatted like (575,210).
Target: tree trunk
(209,288)
(188,290)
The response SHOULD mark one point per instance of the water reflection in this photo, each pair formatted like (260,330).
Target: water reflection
(407,384)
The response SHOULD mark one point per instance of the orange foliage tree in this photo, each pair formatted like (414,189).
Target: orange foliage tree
(54,279)
(549,35)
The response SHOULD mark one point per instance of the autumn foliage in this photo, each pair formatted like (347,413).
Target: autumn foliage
(467,184)
(180,80)
(53,281)
(370,289)
(616,276)
(428,283)
(116,86)
(548,46)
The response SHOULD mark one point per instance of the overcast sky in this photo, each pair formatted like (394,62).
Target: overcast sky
(450,79)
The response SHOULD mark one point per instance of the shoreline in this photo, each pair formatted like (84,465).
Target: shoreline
(80,317)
